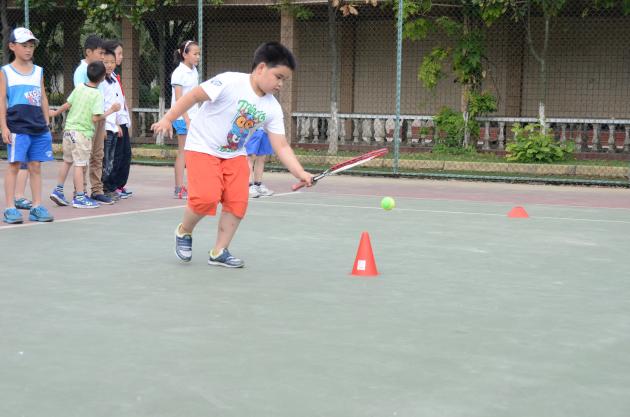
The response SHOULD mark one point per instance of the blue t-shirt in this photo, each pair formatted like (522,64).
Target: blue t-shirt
(24,101)
(81,77)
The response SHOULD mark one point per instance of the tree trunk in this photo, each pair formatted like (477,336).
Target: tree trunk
(541,57)
(543,79)
(6,31)
(333,128)
(466,88)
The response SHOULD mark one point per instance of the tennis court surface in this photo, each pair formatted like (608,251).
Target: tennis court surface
(473,313)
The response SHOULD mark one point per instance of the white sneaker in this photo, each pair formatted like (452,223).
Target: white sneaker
(264,191)
(253,191)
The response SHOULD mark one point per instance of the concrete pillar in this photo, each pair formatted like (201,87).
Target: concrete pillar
(346,75)
(514,72)
(131,69)
(288,94)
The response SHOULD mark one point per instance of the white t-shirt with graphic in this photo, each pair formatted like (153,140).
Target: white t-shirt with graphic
(224,124)
(187,78)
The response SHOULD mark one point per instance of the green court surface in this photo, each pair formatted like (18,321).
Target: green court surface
(473,313)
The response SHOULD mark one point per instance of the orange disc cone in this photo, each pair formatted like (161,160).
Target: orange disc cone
(364,264)
(518,212)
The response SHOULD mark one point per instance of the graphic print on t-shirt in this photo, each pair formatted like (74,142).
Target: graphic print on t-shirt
(34,97)
(244,123)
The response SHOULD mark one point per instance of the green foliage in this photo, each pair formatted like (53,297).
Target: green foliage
(149,97)
(297,10)
(430,71)
(441,149)
(449,128)
(448,25)
(413,7)
(531,145)
(467,56)
(417,30)
(481,103)
(101,12)
(606,5)
(492,10)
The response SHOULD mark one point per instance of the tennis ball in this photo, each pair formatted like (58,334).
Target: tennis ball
(388,203)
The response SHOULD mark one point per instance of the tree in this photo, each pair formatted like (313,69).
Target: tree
(466,56)
(522,11)
(347,8)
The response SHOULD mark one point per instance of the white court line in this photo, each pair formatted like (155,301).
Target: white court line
(268,201)
(496,203)
(472,213)
(99,216)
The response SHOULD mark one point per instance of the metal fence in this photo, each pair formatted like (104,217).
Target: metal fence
(349,73)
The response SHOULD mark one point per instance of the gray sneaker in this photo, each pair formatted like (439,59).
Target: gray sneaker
(183,245)
(225,259)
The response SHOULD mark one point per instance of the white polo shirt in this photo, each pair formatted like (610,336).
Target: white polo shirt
(186,78)
(224,124)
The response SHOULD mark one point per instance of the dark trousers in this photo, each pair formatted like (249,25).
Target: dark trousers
(108,159)
(120,153)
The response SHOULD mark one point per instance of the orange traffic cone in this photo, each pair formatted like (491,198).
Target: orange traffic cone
(518,212)
(364,264)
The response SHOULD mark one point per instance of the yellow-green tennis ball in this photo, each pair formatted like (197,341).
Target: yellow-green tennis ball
(388,203)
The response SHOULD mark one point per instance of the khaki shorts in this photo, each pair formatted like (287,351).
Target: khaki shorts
(76,148)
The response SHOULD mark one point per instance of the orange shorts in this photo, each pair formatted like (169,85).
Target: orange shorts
(213,180)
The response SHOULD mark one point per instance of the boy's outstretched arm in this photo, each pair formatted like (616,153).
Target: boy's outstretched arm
(286,155)
(62,109)
(196,95)
(113,109)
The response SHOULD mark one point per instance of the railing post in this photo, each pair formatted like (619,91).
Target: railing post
(596,144)
(305,127)
(390,125)
(415,129)
(379,130)
(486,137)
(501,135)
(355,132)
(579,138)
(342,131)
(612,143)
(315,124)
(366,130)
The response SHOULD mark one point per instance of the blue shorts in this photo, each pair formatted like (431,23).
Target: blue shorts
(28,148)
(259,144)
(180,127)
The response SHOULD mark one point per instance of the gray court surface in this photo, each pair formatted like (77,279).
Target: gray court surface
(473,313)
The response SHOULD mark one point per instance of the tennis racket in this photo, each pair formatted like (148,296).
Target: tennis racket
(345,165)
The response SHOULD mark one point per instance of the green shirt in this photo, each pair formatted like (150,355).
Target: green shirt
(86,101)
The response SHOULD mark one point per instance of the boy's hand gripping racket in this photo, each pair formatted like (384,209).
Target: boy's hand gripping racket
(342,166)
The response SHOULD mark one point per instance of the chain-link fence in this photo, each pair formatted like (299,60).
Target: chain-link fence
(569,65)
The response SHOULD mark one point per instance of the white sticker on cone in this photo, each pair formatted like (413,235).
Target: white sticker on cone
(361,265)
